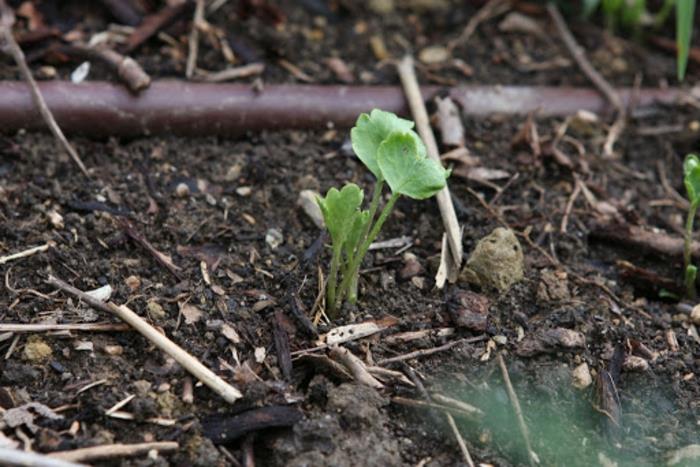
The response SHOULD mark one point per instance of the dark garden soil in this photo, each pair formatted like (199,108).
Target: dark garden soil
(232,205)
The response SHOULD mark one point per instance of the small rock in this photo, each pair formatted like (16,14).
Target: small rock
(274,238)
(308,201)
(433,54)
(101,293)
(496,262)
(113,350)
(635,363)
(133,282)
(244,191)
(411,267)
(695,315)
(155,310)
(56,219)
(36,350)
(418,282)
(582,376)
(233,173)
(85,346)
(469,310)
(182,190)
(553,286)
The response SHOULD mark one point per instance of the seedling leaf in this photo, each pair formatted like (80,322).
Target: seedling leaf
(339,209)
(370,131)
(685,13)
(691,178)
(402,159)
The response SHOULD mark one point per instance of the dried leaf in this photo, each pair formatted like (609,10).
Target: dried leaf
(191,313)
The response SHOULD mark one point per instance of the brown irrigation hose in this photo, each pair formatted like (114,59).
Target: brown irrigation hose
(184,108)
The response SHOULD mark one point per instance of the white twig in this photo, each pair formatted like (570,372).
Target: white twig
(460,440)
(407,74)
(188,362)
(6,21)
(11,456)
(27,252)
(110,451)
(356,366)
(40,327)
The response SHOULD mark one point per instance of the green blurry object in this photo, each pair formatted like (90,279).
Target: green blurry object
(691,180)
(685,14)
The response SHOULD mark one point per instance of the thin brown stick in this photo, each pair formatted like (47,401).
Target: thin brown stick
(490,10)
(594,76)
(187,361)
(407,74)
(426,352)
(27,252)
(569,206)
(90,327)
(194,39)
(125,67)
(111,451)
(7,19)
(460,440)
(518,411)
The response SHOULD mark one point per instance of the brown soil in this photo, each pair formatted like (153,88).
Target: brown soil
(251,186)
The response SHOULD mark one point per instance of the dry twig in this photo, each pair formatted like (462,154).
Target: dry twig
(594,76)
(356,366)
(425,352)
(27,252)
(7,19)
(110,451)
(490,10)
(40,327)
(518,411)
(407,74)
(11,456)
(188,362)
(194,39)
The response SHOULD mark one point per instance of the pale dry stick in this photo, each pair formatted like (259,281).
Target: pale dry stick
(111,451)
(89,327)
(228,74)
(594,76)
(426,352)
(518,411)
(194,39)
(432,405)
(460,440)
(27,252)
(407,73)
(121,415)
(356,366)
(229,393)
(120,404)
(569,207)
(16,457)
(492,9)
(450,402)
(7,19)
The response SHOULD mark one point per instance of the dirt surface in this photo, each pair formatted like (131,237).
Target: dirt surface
(227,213)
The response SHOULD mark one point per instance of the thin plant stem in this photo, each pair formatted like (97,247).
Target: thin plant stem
(333,280)
(687,250)
(373,207)
(362,251)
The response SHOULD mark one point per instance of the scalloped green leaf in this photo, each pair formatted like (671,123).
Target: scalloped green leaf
(370,131)
(402,159)
(339,210)
(691,177)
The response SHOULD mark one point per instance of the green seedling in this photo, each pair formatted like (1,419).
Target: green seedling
(691,179)
(396,156)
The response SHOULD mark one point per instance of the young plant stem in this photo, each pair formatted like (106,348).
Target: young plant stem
(333,280)
(354,267)
(687,250)
(374,205)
